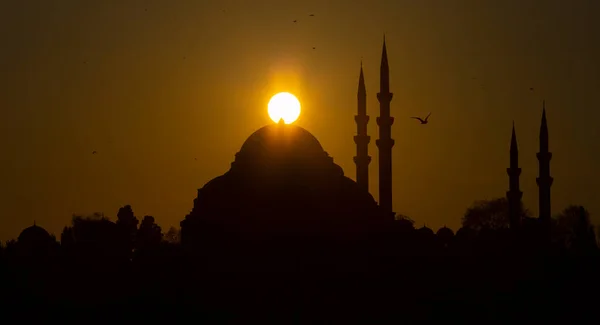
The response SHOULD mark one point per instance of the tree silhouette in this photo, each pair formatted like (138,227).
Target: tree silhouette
(90,236)
(149,234)
(10,245)
(574,228)
(172,236)
(67,237)
(490,214)
(404,221)
(127,225)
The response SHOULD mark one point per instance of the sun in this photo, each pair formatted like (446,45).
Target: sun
(284,106)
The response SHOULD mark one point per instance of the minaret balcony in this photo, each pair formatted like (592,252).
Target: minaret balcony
(514,195)
(385,96)
(385,121)
(362,139)
(361,119)
(544,181)
(362,160)
(385,143)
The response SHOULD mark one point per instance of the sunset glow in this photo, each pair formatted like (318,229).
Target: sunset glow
(284,106)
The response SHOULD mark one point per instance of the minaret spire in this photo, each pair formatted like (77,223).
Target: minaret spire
(544,180)
(385,141)
(362,158)
(514,194)
(384,72)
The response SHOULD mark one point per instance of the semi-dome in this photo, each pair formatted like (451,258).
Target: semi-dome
(33,234)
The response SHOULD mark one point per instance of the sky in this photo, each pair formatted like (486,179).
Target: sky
(166,92)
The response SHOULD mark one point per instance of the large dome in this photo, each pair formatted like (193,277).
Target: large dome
(281,181)
(276,139)
(283,148)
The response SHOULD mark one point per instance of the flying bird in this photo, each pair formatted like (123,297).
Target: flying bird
(423,121)
(314,48)
(295,21)
(311,15)
(94,152)
(531,88)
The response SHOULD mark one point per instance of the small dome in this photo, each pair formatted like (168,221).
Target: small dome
(33,234)
(281,139)
(425,231)
(445,232)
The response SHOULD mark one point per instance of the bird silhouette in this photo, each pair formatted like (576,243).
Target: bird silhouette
(94,152)
(311,15)
(295,21)
(423,121)
(314,48)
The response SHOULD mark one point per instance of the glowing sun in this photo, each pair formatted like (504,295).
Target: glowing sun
(284,106)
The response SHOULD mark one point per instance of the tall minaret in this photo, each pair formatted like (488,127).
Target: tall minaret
(362,158)
(544,180)
(514,193)
(385,141)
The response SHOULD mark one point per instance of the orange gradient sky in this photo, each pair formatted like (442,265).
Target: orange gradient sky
(152,85)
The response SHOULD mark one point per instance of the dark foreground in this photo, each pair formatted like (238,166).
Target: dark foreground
(318,288)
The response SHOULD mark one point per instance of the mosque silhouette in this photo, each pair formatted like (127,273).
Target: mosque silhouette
(283,182)
(285,232)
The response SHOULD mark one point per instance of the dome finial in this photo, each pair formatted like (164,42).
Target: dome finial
(281,122)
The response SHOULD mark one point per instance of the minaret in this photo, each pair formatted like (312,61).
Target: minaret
(544,180)
(514,193)
(385,141)
(362,158)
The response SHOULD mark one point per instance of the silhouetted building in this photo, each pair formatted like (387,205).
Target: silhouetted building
(362,158)
(544,181)
(35,242)
(514,194)
(385,141)
(282,182)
